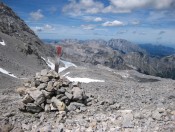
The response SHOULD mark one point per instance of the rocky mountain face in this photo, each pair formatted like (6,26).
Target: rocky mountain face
(21,50)
(117,54)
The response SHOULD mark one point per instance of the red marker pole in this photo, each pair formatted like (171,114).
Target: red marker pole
(57,61)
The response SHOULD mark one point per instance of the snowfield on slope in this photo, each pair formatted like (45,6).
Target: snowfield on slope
(7,73)
(83,80)
(67,65)
(2,42)
(52,65)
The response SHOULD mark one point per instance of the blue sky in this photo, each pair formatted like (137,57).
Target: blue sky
(139,21)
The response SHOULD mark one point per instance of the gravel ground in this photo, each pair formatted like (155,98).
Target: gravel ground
(126,102)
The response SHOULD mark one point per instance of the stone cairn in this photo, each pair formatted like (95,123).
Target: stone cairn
(48,91)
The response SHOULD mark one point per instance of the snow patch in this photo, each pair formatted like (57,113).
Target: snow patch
(66,74)
(83,80)
(52,65)
(7,73)
(2,42)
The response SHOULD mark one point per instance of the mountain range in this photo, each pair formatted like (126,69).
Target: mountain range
(118,54)
(22,52)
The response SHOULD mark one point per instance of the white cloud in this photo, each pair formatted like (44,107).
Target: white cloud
(116,6)
(45,28)
(113,23)
(88,27)
(36,15)
(98,19)
(93,19)
(75,8)
(119,6)
(48,27)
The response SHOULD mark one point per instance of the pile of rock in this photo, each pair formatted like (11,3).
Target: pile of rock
(48,91)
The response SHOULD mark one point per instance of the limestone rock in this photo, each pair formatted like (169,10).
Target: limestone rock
(50,87)
(35,93)
(30,107)
(77,93)
(27,99)
(44,79)
(58,104)
(47,108)
(69,95)
(42,86)
(21,91)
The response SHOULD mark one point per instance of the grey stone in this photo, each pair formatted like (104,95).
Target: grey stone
(50,87)
(56,84)
(37,83)
(38,75)
(33,108)
(71,107)
(40,99)
(66,82)
(77,93)
(52,108)
(35,93)
(27,85)
(60,96)
(47,128)
(69,95)
(53,74)
(78,105)
(156,115)
(47,108)
(76,84)
(27,99)
(26,127)
(63,98)
(44,79)
(44,72)
(62,90)
(115,106)
(58,104)
(47,94)
(83,109)
(21,91)
(42,86)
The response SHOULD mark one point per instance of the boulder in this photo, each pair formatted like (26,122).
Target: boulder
(40,99)
(42,86)
(44,79)
(47,108)
(69,95)
(53,74)
(77,93)
(21,91)
(35,93)
(47,94)
(27,99)
(50,87)
(33,108)
(38,75)
(58,104)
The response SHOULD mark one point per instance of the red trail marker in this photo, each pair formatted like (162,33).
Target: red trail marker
(57,61)
(59,50)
